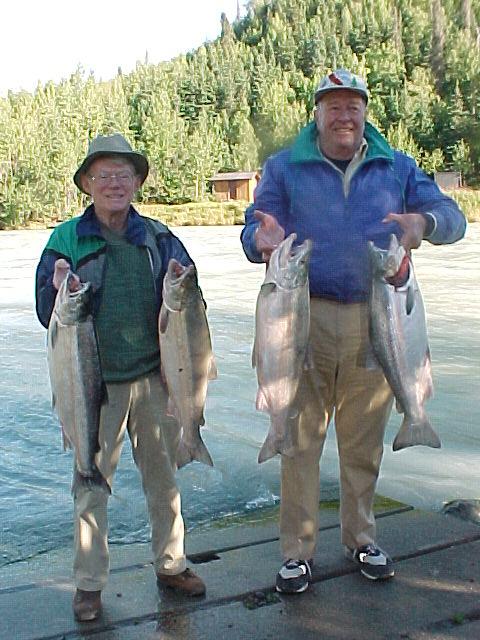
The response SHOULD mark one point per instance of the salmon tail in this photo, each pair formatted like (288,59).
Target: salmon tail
(65,439)
(268,450)
(411,434)
(91,482)
(274,444)
(186,454)
(212,369)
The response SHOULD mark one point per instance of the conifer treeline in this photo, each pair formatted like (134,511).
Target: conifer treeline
(232,102)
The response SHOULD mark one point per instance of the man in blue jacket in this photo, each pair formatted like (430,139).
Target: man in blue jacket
(341,185)
(125,257)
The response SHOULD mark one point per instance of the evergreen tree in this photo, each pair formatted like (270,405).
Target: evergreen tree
(233,101)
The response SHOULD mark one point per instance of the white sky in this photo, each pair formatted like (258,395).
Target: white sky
(46,40)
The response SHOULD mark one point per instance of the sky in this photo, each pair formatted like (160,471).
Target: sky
(46,40)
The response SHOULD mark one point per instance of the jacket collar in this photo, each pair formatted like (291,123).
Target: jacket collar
(305,148)
(88,226)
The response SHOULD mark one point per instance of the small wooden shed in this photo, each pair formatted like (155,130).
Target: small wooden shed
(237,185)
(448,179)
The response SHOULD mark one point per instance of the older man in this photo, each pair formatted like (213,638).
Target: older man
(341,185)
(125,257)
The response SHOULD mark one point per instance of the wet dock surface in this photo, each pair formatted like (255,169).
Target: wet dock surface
(435,594)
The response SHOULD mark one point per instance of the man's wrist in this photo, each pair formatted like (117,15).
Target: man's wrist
(430,226)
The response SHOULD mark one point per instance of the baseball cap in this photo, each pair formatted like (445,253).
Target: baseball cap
(341,79)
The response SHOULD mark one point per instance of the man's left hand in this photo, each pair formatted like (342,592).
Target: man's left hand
(413,226)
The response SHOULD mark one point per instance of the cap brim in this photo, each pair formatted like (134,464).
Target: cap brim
(322,92)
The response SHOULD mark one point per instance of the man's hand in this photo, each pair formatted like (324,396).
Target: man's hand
(413,226)
(269,234)
(61,269)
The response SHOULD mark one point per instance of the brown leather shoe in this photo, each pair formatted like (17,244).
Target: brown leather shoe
(187,583)
(87,605)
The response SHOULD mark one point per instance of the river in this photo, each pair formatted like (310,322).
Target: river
(35,502)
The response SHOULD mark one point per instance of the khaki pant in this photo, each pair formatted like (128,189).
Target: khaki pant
(339,386)
(138,407)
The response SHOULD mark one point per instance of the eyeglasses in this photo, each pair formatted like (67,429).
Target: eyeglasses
(107,178)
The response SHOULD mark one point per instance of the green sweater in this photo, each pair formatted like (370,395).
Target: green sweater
(126,322)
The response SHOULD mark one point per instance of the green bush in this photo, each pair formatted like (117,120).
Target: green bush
(232,212)
(469,201)
(197,213)
(212,213)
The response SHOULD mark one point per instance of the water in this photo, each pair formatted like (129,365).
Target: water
(35,502)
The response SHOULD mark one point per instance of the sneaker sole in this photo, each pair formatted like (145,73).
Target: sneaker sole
(370,577)
(301,590)
(87,617)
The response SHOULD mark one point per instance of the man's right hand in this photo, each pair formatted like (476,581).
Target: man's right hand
(269,234)
(61,269)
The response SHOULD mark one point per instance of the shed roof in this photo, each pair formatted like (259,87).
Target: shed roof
(235,175)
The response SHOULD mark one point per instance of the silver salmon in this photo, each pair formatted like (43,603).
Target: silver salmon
(282,327)
(76,380)
(187,358)
(398,334)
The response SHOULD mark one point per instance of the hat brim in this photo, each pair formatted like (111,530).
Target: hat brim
(319,94)
(137,159)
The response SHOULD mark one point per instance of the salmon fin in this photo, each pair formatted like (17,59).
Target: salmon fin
(293,413)
(254,354)
(371,362)
(66,442)
(54,400)
(261,403)
(163,319)
(163,377)
(427,380)
(93,482)
(187,454)
(308,362)
(267,288)
(212,369)
(411,434)
(410,300)
(53,334)
(104,393)
(171,408)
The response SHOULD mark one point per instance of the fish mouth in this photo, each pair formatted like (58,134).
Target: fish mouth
(301,252)
(177,272)
(387,261)
(299,255)
(284,250)
(288,253)
(175,269)
(179,284)
(82,289)
(77,294)
(74,306)
(290,263)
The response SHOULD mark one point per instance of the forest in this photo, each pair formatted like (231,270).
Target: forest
(230,103)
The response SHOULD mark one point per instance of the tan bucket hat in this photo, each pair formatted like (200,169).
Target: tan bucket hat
(114,145)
